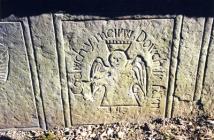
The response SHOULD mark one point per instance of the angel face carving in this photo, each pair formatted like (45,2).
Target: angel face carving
(117,59)
(121,81)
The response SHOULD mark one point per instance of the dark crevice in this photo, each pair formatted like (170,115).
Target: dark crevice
(200,105)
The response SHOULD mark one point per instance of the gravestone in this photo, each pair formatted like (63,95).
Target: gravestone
(117,69)
(63,69)
(16,100)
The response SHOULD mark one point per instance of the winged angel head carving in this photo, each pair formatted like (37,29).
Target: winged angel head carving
(122,81)
(4,60)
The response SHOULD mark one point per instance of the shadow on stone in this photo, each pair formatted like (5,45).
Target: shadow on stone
(109,8)
(5,138)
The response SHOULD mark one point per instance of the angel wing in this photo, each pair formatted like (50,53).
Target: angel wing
(97,75)
(139,69)
(97,69)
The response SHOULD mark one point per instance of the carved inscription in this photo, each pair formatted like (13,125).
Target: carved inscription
(117,70)
(121,77)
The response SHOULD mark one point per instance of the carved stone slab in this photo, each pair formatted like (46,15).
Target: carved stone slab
(117,70)
(58,70)
(17,106)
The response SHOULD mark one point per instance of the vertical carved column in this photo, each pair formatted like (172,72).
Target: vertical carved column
(42,32)
(203,58)
(188,57)
(207,98)
(62,70)
(173,64)
(35,82)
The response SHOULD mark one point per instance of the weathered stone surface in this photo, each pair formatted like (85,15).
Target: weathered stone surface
(207,98)
(117,69)
(44,44)
(61,69)
(17,106)
(190,45)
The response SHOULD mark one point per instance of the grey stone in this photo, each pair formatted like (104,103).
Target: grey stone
(190,46)
(117,69)
(58,70)
(45,51)
(17,105)
(207,99)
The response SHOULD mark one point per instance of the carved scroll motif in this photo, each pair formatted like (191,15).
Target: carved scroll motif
(4,62)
